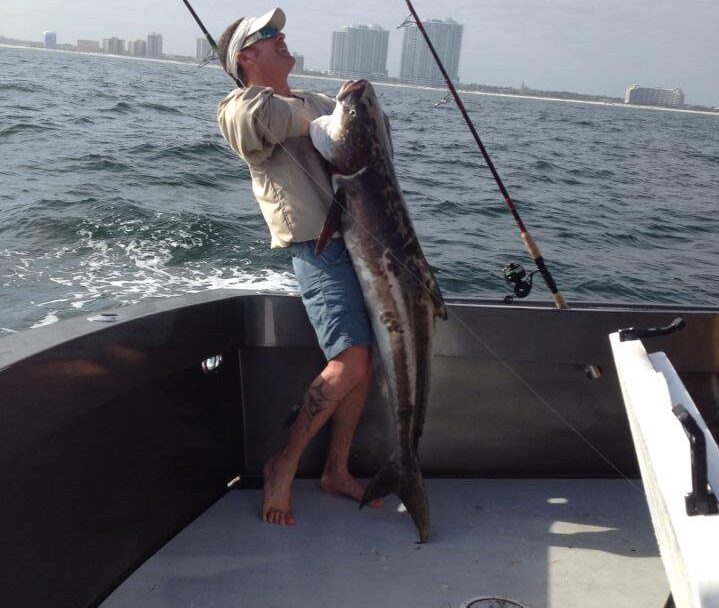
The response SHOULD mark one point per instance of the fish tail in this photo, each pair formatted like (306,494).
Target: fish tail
(403,477)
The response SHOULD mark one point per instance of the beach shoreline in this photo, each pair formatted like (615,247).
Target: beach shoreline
(391,84)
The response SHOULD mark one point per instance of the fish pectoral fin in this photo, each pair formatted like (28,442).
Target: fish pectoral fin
(404,480)
(333,222)
(340,179)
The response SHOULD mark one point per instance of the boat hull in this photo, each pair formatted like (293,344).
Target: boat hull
(114,438)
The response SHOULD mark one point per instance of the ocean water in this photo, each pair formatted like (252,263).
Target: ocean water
(117,186)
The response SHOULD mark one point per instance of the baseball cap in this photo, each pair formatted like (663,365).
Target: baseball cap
(248,26)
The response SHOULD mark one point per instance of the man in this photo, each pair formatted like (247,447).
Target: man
(267,124)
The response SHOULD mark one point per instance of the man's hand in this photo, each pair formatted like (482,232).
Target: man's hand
(321,140)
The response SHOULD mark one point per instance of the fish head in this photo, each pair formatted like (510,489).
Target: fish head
(355,134)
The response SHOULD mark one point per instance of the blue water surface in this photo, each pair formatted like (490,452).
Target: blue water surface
(117,186)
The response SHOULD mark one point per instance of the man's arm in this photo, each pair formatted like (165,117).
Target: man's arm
(256,120)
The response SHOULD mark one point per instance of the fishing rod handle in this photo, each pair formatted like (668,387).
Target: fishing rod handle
(531,245)
(533,250)
(559,301)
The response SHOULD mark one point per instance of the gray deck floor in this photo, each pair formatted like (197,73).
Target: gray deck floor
(558,543)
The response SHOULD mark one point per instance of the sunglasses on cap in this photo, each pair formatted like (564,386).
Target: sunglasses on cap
(266,32)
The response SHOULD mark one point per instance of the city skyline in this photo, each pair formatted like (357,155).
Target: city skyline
(549,44)
(418,65)
(359,51)
(367,62)
(653,96)
(150,47)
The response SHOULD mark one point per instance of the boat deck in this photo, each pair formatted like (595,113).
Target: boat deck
(582,543)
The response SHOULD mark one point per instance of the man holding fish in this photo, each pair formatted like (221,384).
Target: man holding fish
(267,124)
(378,263)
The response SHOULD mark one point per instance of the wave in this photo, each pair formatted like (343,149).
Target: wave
(201,180)
(658,232)
(460,162)
(538,179)
(544,164)
(710,158)
(203,150)
(25,127)
(158,107)
(99,279)
(22,108)
(97,162)
(592,173)
(447,208)
(121,107)
(22,87)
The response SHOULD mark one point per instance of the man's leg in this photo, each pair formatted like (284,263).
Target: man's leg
(336,478)
(341,377)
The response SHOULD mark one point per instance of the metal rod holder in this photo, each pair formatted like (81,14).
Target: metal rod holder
(635,333)
(700,501)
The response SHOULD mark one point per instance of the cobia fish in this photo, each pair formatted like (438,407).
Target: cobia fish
(400,293)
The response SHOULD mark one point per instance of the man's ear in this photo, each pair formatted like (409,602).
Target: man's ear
(246,57)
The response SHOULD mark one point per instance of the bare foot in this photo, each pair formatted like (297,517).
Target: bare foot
(276,493)
(342,483)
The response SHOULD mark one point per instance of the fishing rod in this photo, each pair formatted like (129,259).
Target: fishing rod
(514,275)
(592,371)
(511,274)
(210,39)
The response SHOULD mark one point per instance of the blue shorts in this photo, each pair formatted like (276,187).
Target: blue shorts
(332,296)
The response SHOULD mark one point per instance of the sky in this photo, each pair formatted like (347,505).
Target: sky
(595,47)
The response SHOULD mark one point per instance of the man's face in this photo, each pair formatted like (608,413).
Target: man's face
(271,55)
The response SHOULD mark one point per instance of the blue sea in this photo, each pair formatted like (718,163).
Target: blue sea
(117,187)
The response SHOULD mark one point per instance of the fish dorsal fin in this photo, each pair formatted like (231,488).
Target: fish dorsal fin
(440,308)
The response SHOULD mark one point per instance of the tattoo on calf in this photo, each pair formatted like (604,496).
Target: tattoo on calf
(315,401)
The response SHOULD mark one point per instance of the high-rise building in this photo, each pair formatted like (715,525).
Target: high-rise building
(202,50)
(654,96)
(418,66)
(154,45)
(299,66)
(137,48)
(359,51)
(50,39)
(113,46)
(88,46)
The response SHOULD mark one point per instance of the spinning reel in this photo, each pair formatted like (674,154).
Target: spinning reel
(517,278)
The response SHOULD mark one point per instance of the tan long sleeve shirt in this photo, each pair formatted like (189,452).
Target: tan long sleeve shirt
(289,180)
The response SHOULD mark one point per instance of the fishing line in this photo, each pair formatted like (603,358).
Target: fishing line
(457,318)
(592,370)
(528,241)
(419,282)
